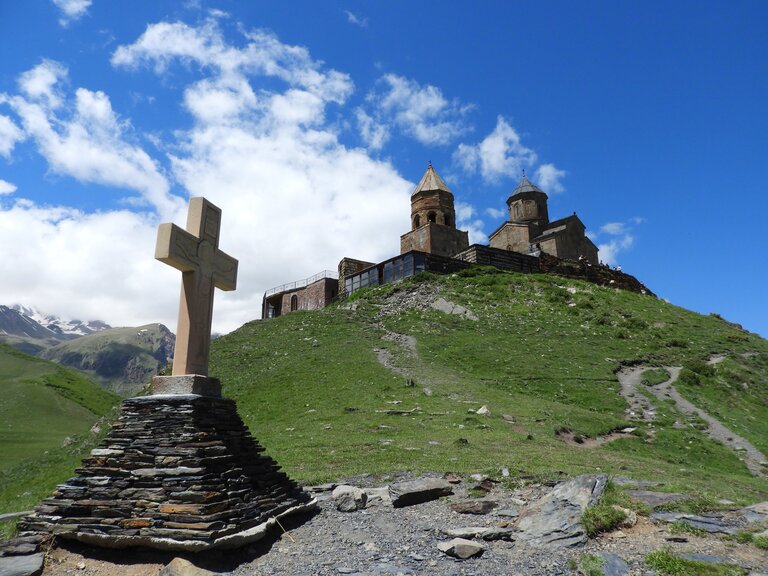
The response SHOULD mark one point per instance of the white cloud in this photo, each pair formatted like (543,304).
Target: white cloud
(88,266)
(620,238)
(500,154)
(6,187)
(9,135)
(548,178)
(84,138)
(356,20)
(421,112)
(375,135)
(72,10)
(294,199)
(466,220)
(496,213)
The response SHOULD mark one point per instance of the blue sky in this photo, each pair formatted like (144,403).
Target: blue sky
(309,123)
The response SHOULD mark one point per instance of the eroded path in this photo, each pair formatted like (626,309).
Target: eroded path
(640,408)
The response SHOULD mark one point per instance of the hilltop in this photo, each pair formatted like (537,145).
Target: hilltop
(390,380)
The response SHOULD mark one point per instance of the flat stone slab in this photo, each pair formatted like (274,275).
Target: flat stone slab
(461,548)
(713,524)
(22,565)
(419,491)
(654,499)
(186,384)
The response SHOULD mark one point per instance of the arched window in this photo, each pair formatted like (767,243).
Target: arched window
(447,219)
(294,303)
(432,217)
(416,221)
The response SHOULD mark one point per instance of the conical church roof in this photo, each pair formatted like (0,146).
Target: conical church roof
(431,181)
(526,185)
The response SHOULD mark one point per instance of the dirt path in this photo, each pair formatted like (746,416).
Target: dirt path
(631,382)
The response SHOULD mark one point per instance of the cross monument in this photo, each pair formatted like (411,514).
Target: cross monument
(195,251)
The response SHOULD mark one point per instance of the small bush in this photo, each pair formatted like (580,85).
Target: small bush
(602,518)
(591,565)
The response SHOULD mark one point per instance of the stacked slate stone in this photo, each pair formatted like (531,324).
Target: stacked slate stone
(177,472)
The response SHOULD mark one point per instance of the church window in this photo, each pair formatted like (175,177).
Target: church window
(294,303)
(447,219)
(416,221)
(432,217)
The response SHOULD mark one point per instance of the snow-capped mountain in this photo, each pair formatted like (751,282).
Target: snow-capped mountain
(19,320)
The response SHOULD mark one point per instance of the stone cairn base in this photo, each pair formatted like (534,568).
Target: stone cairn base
(177,472)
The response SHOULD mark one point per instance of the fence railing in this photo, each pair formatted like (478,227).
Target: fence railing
(302,283)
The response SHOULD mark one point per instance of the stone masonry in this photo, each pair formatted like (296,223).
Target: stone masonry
(176,472)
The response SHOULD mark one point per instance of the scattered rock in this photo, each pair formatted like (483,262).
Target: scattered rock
(554,521)
(483,411)
(655,499)
(443,305)
(474,506)
(181,567)
(31,565)
(349,498)
(485,485)
(418,491)
(630,518)
(461,548)
(452,478)
(508,513)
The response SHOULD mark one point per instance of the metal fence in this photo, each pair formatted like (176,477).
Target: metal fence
(303,283)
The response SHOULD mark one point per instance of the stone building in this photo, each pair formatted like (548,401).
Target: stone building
(433,219)
(527,242)
(529,230)
(313,293)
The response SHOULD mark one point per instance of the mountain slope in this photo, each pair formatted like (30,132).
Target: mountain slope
(385,382)
(121,359)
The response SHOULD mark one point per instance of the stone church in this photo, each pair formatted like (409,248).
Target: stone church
(529,230)
(435,244)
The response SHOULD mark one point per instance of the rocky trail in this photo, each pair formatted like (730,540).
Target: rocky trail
(640,407)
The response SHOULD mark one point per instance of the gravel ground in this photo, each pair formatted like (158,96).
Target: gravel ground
(385,541)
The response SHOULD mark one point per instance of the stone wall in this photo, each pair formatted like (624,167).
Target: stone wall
(175,472)
(487,256)
(511,236)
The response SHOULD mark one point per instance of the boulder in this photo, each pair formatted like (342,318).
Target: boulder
(461,548)
(378,496)
(419,491)
(349,498)
(554,521)
(613,565)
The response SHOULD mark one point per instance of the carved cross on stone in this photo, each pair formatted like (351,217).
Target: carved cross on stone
(204,267)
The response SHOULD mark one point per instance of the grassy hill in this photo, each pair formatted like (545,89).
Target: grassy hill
(46,416)
(383,383)
(541,355)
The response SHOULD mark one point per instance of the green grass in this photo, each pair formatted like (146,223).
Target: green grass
(46,416)
(544,351)
(667,564)
(655,376)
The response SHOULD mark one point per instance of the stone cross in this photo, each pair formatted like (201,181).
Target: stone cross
(195,251)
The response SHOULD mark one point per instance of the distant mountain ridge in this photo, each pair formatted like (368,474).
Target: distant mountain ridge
(122,360)
(54,325)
